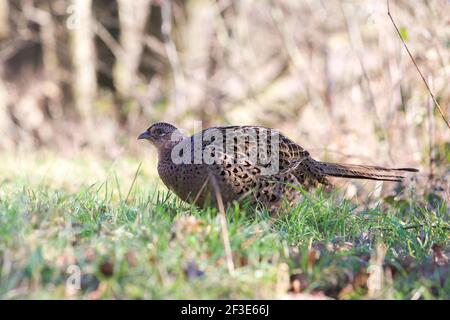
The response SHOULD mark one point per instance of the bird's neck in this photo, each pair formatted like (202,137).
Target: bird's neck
(164,153)
(165,150)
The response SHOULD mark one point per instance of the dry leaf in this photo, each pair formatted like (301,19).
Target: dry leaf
(298,283)
(107,268)
(439,257)
(340,245)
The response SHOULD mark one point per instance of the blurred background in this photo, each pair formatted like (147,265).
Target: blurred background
(332,75)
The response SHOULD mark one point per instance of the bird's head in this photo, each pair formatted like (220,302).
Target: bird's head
(162,135)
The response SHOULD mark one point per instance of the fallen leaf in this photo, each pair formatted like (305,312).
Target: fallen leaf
(339,245)
(107,268)
(360,279)
(243,260)
(312,256)
(439,257)
(298,283)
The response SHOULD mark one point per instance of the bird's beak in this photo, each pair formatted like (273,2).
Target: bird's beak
(144,135)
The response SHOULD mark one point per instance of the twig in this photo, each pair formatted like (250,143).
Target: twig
(417,67)
(156,45)
(108,40)
(201,190)
(223,224)
(430,138)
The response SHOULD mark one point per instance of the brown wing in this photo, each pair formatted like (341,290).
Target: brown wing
(242,159)
(255,144)
(233,157)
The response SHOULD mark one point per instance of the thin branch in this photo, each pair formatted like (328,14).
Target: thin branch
(199,193)
(223,224)
(417,67)
(154,44)
(108,40)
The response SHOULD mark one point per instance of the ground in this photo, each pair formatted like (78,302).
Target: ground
(114,225)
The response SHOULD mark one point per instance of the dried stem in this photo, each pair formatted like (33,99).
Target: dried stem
(197,196)
(132,183)
(223,224)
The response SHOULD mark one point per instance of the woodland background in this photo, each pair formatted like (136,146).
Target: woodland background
(333,75)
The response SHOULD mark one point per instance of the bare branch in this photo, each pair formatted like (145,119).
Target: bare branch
(108,39)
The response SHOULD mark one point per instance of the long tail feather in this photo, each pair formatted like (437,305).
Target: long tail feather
(362,171)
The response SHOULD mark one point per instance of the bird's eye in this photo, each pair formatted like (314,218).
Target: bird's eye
(158,132)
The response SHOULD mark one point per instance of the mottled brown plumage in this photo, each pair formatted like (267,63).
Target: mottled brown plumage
(238,164)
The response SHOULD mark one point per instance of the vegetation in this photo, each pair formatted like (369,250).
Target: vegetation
(135,240)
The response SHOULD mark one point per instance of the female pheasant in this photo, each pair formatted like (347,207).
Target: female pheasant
(246,162)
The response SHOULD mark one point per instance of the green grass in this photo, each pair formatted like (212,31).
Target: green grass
(151,246)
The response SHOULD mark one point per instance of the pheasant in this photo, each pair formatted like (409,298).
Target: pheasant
(253,163)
